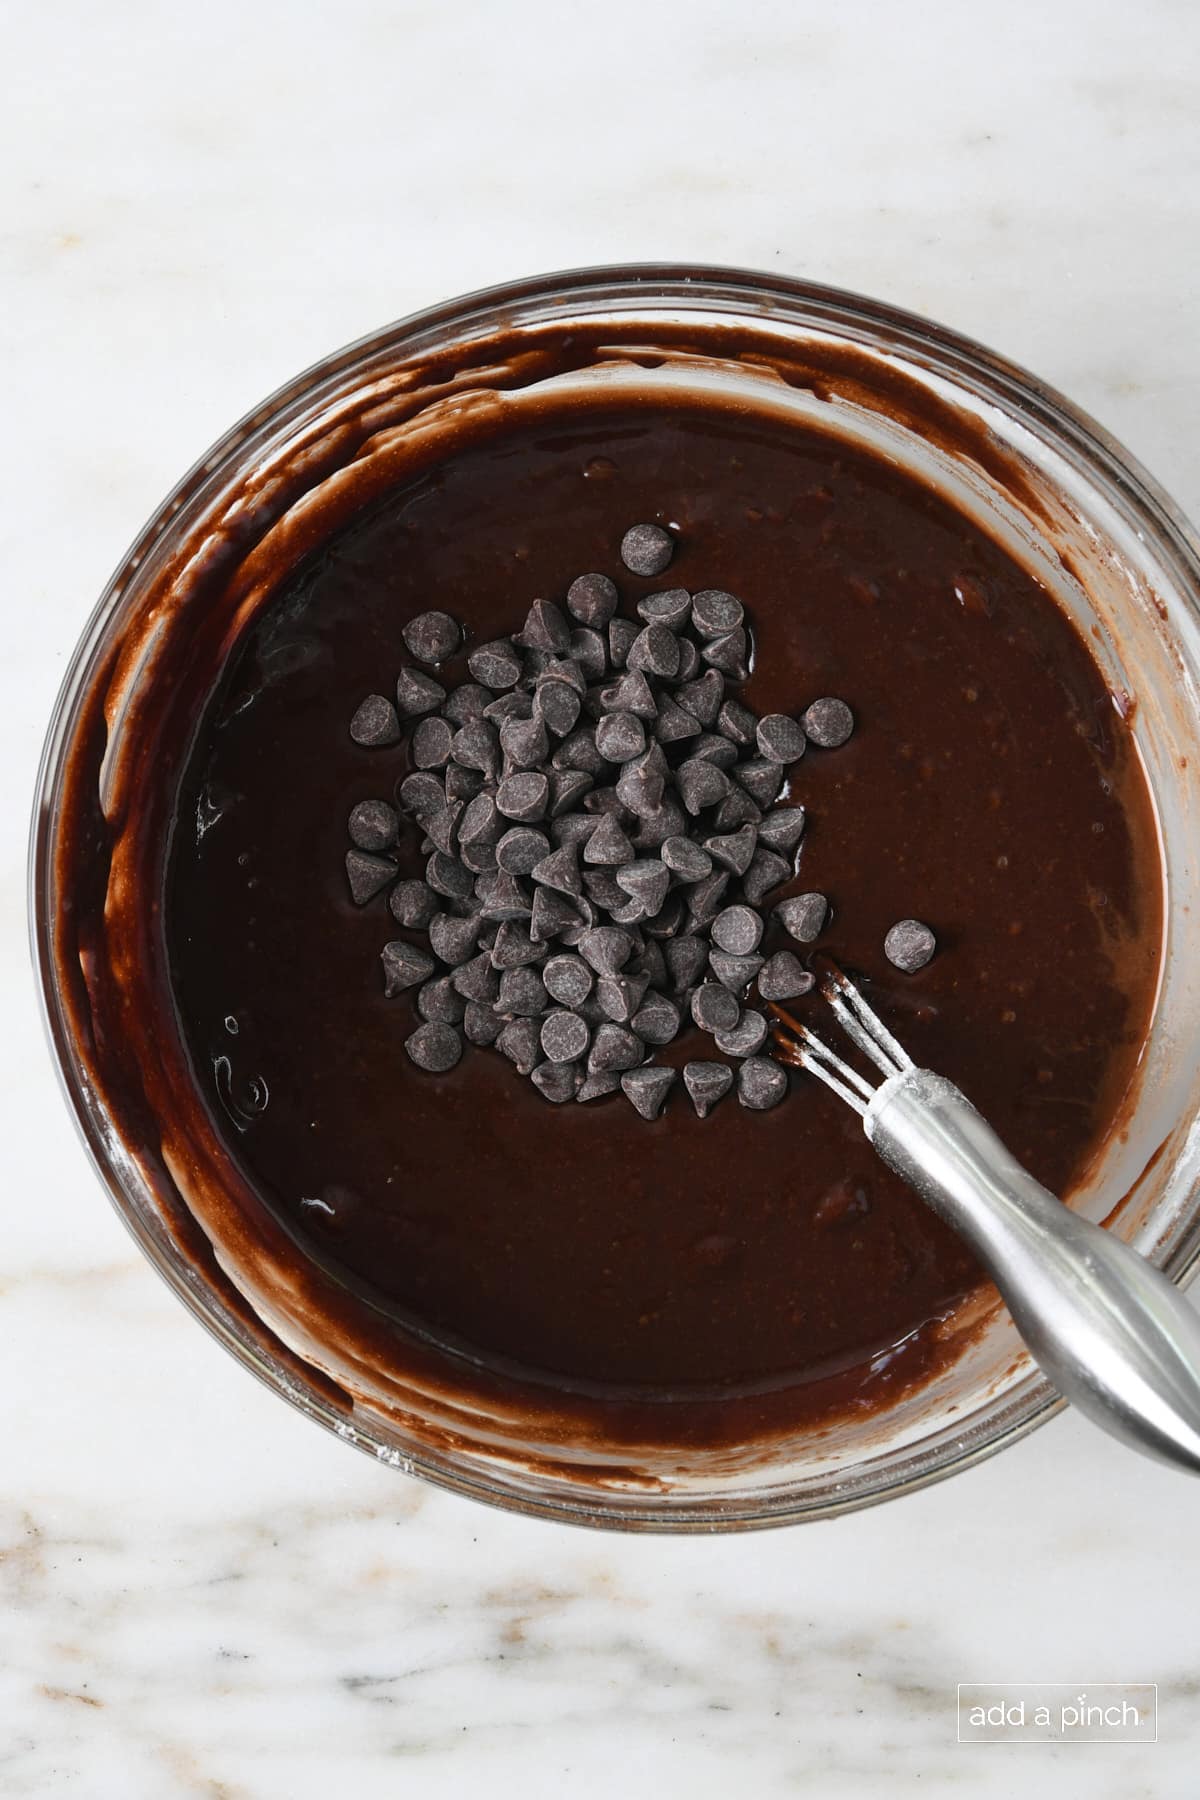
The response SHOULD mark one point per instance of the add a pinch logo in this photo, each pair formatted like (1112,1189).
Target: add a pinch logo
(1028,1712)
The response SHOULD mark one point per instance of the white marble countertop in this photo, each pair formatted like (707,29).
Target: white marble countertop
(203,1594)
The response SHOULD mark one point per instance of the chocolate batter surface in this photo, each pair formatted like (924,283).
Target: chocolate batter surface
(990,789)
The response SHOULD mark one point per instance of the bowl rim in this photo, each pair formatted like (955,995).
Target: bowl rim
(1030,1404)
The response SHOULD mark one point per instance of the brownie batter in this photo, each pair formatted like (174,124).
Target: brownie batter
(990,789)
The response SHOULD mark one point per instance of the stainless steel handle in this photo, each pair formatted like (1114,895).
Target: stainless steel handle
(1109,1330)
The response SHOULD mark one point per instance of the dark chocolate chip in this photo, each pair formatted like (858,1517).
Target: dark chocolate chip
(454,939)
(367,875)
(564,669)
(703,698)
(545,629)
(780,738)
(747,1037)
(496,665)
(713,749)
(566,787)
(619,997)
(766,872)
(440,829)
(434,1047)
(606,800)
(614,1048)
(592,599)
(523,744)
(602,889)
(655,650)
(514,946)
(557,1081)
(590,651)
(620,736)
(417,693)
(671,608)
(674,724)
(608,844)
(597,1086)
(503,896)
(701,784)
(568,980)
(631,694)
(375,723)
(783,977)
(606,948)
(621,633)
(803,916)
(374,825)
(477,746)
(651,961)
(733,849)
(578,751)
(643,782)
(515,705)
(738,930)
(521,849)
(647,1088)
(565,1036)
(689,660)
(782,828)
(553,915)
(573,830)
(736,809)
(446,875)
(762,780)
(647,549)
(481,1023)
(462,784)
(715,613)
(466,703)
(738,723)
(645,880)
(520,1041)
(413,903)
(480,822)
(522,993)
(523,797)
(666,821)
(686,858)
(714,1007)
(909,945)
(479,858)
(404,965)
(705,899)
(729,654)
(828,723)
(687,958)
(431,637)
(440,1001)
(422,794)
(560,869)
(657,1020)
(734,972)
(558,706)
(706,1083)
(477,979)
(762,1084)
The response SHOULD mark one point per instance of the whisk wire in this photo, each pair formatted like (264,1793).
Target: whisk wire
(863,1026)
(806,1050)
(798,1045)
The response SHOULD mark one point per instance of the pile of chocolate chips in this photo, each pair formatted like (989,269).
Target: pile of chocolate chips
(600,820)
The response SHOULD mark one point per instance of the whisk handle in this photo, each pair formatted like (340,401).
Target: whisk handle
(1108,1329)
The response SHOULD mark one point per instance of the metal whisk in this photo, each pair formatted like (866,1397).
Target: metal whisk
(1108,1329)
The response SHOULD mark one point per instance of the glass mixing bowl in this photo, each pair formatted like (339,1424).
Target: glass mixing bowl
(1046,480)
